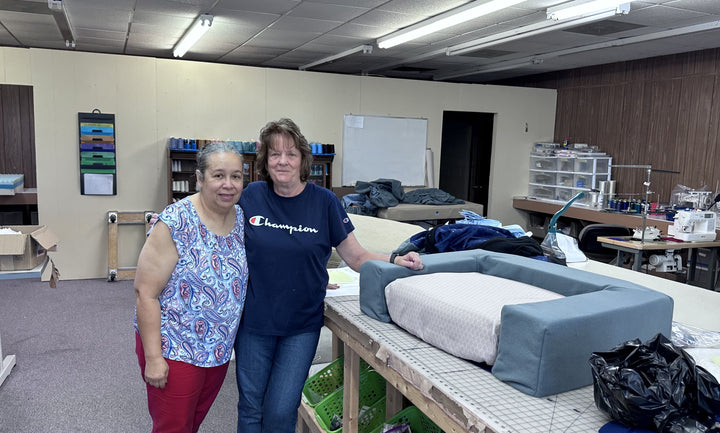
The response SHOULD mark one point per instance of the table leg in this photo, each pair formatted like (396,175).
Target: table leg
(693,264)
(712,268)
(393,401)
(337,347)
(351,390)
(6,364)
(620,258)
(637,261)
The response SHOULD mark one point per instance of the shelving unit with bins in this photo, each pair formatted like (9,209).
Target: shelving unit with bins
(181,164)
(560,177)
(321,170)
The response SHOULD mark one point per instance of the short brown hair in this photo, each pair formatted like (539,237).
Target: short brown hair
(288,128)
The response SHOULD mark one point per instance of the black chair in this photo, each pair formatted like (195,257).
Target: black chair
(593,250)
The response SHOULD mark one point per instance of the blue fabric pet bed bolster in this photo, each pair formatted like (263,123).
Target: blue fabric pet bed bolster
(543,347)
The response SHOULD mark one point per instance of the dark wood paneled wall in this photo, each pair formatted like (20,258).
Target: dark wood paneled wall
(662,111)
(17,132)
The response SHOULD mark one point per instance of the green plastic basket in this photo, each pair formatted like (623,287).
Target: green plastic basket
(372,392)
(419,422)
(324,382)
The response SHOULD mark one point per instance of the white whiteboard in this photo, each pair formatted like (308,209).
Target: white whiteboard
(376,147)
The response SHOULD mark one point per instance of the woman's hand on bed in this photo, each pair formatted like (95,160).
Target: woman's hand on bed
(332,286)
(410,260)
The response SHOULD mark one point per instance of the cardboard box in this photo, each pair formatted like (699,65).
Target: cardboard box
(27,249)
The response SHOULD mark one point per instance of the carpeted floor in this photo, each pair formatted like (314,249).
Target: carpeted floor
(76,366)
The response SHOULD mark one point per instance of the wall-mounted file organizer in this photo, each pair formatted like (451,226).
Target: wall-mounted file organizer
(98,175)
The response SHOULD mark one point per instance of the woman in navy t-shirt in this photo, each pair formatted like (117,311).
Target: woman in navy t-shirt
(291,226)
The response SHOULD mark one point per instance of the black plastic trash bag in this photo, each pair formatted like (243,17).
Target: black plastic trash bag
(655,386)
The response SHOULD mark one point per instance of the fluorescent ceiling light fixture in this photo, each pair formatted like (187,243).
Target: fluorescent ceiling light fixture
(366,49)
(522,32)
(199,27)
(448,19)
(587,7)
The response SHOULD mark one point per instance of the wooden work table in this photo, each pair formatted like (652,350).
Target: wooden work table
(588,214)
(457,395)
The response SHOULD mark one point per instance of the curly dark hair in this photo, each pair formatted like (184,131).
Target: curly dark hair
(288,128)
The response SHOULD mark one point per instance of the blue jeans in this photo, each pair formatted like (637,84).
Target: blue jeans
(270,373)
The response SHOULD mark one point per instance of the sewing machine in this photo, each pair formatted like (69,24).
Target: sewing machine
(693,225)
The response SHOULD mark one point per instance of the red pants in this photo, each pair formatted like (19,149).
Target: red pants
(190,390)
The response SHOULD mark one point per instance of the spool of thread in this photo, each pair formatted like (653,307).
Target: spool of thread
(602,189)
(611,188)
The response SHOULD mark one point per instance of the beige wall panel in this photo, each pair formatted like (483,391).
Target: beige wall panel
(80,82)
(155,99)
(15,66)
(317,102)
(210,101)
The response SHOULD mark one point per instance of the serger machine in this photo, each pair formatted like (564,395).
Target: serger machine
(693,226)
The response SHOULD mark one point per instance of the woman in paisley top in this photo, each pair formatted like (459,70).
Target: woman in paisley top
(190,287)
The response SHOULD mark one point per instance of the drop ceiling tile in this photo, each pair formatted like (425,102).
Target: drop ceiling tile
(246,19)
(426,8)
(101,46)
(660,16)
(390,20)
(179,8)
(87,34)
(295,24)
(705,6)
(360,31)
(330,12)
(281,39)
(276,7)
(75,5)
(358,3)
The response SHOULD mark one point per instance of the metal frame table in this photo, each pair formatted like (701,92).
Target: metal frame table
(625,244)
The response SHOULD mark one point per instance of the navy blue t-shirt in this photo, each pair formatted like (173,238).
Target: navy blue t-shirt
(288,242)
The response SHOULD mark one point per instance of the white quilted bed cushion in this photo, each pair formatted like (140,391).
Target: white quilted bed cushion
(458,312)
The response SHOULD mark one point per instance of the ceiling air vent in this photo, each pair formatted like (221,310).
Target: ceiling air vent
(604,28)
(488,53)
(412,69)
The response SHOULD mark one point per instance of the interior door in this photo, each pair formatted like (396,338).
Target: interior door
(465,155)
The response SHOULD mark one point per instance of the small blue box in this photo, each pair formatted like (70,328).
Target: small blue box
(11,183)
